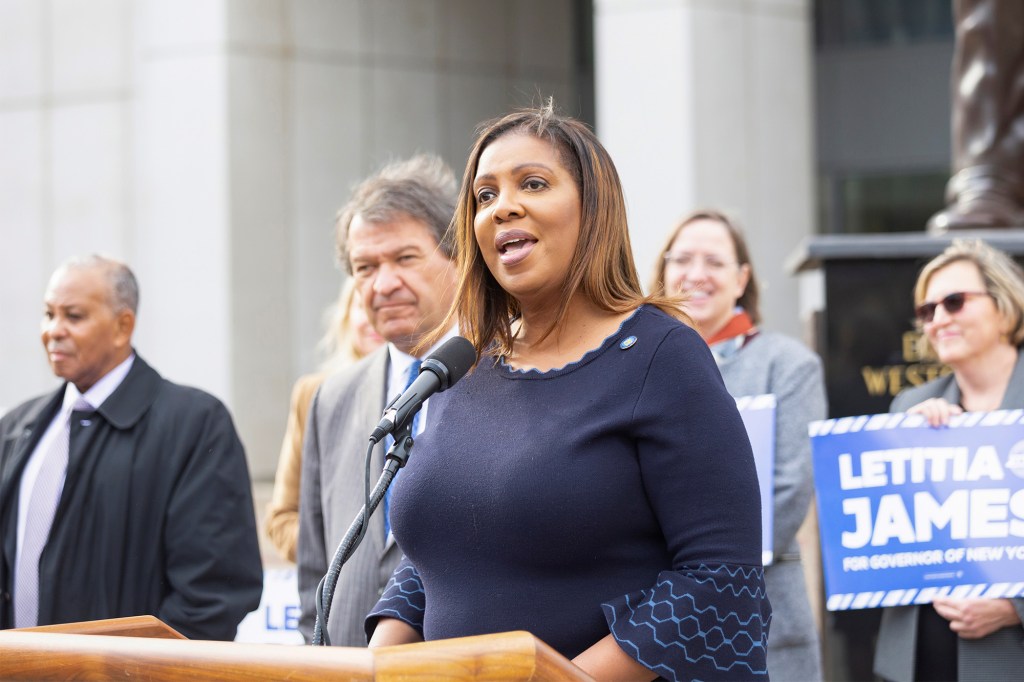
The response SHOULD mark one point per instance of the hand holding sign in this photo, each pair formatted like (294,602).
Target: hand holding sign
(937,411)
(910,513)
(976,618)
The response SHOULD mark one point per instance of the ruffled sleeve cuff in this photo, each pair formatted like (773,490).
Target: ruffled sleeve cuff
(704,623)
(403,598)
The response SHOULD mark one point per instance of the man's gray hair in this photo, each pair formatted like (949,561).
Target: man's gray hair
(124,288)
(422,187)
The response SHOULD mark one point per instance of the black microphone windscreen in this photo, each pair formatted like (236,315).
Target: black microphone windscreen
(456,355)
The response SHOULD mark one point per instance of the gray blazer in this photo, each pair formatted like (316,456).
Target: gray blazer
(343,413)
(773,363)
(1000,656)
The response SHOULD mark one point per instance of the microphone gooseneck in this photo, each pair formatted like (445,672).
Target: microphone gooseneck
(439,371)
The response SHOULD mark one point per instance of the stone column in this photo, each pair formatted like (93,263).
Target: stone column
(708,103)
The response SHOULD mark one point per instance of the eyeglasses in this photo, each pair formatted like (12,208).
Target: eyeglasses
(953,303)
(687,261)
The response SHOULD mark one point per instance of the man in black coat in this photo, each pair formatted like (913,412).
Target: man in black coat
(151,505)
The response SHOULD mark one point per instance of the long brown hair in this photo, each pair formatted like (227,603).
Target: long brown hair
(602,267)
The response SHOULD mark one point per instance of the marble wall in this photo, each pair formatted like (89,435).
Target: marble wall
(722,117)
(210,142)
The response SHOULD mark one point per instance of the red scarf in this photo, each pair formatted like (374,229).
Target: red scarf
(740,324)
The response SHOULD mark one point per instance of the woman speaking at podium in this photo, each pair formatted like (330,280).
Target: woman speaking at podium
(969,302)
(590,480)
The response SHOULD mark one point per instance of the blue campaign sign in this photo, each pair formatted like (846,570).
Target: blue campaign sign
(908,512)
(758,413)
(276,621)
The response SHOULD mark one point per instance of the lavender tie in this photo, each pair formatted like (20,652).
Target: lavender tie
(39,517)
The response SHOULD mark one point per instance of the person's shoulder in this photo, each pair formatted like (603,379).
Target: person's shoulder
(776,346)
(143,379)
(308,383)
(653,321)
(339,384)
(304,388)
(189,398)
(24,413)
(669,343)
(145,395)
(913,395)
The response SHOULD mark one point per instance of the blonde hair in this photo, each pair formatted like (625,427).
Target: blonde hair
(338,345)
(751,298)
(602,267)
(1003,278)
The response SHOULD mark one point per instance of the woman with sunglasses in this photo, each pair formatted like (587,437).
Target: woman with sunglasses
(969,302)
(707,259)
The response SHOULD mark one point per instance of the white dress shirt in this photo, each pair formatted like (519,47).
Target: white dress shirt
(95,396)
(399,364)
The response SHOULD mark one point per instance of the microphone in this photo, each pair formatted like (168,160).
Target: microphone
(439,371)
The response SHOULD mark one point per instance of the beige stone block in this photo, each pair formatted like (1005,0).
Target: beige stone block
(478,35)
(181,25)
(258,24)
(645,115)
(259,262)
(330,152)
(182,241)
(88,157)
(405,30)
(406,113)
(329,26)
(22,50)
(25,259)
(468,101)
(90,46)
(543,34)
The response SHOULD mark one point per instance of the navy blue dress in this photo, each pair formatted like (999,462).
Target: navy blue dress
(615,494)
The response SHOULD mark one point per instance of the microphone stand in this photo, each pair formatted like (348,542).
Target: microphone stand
(397,456)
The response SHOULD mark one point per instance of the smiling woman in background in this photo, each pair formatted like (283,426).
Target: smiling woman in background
(706,258)
(969,302)
(590,481)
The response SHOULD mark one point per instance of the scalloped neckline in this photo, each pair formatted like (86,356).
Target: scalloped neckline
(569,366)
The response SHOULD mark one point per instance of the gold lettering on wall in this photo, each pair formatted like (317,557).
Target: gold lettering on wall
(921,366)
(917,349)
(891,379)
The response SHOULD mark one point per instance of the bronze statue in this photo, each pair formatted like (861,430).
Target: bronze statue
(987,186)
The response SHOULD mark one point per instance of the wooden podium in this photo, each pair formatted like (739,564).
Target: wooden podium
(144,648)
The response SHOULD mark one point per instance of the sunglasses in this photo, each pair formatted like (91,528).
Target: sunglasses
(953,303)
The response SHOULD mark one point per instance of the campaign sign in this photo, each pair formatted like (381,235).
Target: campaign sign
(908,512)
(276,621)
(758,413)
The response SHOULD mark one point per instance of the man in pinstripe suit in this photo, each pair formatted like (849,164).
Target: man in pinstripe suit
(392,240)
